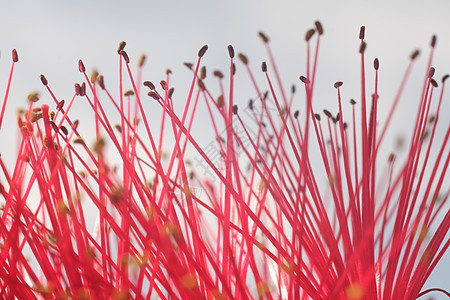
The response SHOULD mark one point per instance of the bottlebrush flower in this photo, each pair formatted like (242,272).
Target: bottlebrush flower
(261,224)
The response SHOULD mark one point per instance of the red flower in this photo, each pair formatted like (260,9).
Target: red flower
(258,224)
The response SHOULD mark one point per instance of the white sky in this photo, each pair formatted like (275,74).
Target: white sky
(51,36)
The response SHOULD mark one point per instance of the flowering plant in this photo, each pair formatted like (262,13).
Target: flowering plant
(261,225)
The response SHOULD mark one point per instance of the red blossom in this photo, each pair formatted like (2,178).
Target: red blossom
(261,224)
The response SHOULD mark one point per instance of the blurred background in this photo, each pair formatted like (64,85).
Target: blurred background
(51,36)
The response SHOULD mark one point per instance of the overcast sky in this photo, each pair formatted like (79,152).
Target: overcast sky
(51,36)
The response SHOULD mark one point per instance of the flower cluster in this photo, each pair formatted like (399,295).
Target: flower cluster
(260,224)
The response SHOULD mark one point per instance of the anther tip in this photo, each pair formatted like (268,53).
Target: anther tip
(218,74)
(362,32)
(141,60)
(363,47)
(434,83)
(304,79)
(81,66)
(101,82)
(122,45)
(263,36)
(338,84)
(203,72)
(431,72)
(188,65)
(376,64)
(149,84)
(415,54)
(202,51)
(319,27)
(264,67)
(309,34)
(15,57)
(243,58)
(231,51)
(433,41)
(44,80)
